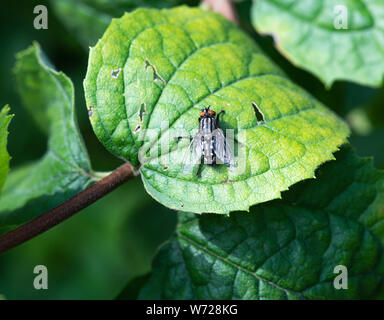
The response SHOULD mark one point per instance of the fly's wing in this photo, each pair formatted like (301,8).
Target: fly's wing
(193,154)
(223,150)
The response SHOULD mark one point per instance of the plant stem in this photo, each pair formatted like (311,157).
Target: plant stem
(67,209)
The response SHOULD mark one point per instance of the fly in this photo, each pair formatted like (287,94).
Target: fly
(209,145)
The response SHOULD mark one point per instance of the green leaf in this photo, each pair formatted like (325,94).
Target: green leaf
(305,32)
(64,170)
(151,73)
(84,20)
(88,19)
(132,289)
(4,156)
(284,249)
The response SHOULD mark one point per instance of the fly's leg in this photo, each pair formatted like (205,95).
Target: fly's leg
(218,116)
(200,166)
(199,169)
(182,137)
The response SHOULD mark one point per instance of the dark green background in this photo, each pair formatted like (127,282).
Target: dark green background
(95,253)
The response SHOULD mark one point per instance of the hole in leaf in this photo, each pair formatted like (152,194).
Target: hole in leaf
(115,73)
(258,114)
(156,75)
(90,111)
(142,111)
(137,129)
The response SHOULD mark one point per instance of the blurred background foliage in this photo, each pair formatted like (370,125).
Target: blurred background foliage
(116,238)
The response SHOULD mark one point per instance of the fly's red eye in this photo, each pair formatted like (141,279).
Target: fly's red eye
(202,114)
(211,112)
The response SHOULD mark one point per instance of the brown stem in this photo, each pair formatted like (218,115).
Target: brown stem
(67,209)
(224,7)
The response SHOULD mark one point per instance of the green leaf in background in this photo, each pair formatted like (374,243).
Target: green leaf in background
(285,249)
(64,170)
(155,69)
(84,20)
(112,237)
(88,19)
(132,289)
(4,156)
(305,32)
